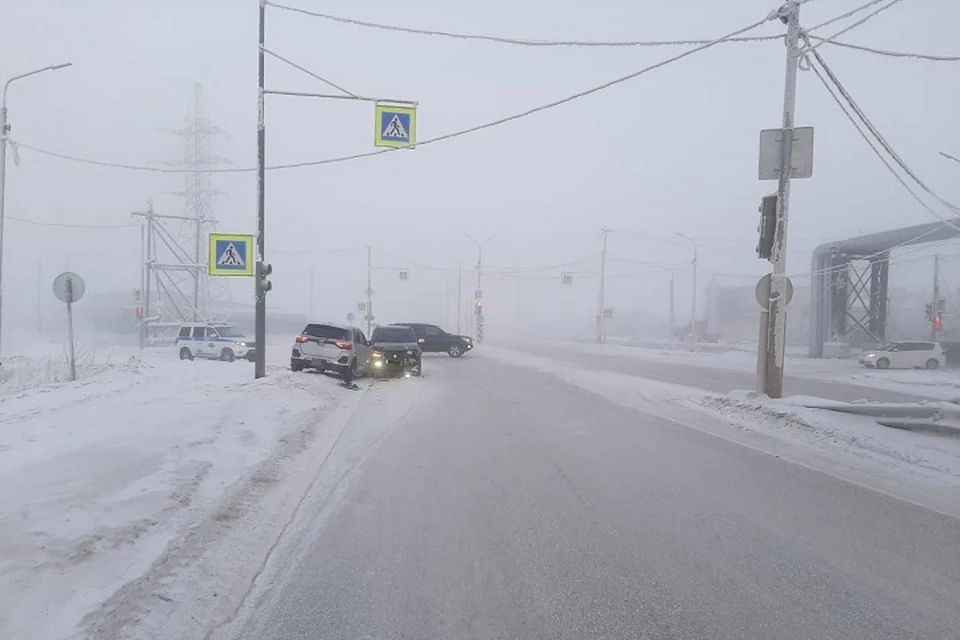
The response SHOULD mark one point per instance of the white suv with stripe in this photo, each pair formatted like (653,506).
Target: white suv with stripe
(213,341)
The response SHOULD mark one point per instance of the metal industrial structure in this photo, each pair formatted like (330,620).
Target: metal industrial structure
(174,280)
(849,282)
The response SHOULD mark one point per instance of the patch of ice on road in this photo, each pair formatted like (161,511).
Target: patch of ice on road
(98,477)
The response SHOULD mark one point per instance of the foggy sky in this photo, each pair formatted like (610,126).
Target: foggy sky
(674,151)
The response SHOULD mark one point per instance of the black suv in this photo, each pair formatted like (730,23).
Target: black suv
(433,339)
(395,351)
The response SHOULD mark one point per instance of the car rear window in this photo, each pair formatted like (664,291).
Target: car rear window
(393,334)
(326,331)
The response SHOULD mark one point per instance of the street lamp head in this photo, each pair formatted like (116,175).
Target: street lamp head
(60,66)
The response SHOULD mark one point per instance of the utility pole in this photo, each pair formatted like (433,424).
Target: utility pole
(478,295)
(260,333)
(673,321)
(777,323)
(935,305)
(601,302)
(369,291)
(459,297)
(693,337)
(39,294)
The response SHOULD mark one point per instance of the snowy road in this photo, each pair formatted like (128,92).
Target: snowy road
(712,378)
(510,504)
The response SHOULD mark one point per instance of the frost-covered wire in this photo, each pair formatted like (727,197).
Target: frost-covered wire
(524,42)
(449,136)
(835,82)
(853,25)
(74,225)
(885,52)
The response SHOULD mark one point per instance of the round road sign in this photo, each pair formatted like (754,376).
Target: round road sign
(68,287)
(351,317)
(762,291)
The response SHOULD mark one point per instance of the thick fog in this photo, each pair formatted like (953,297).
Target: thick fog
(671,152)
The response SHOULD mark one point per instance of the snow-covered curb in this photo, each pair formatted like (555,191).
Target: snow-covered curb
(100,478)
(913,465)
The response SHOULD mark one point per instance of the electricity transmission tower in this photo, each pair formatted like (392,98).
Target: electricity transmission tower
(175,247)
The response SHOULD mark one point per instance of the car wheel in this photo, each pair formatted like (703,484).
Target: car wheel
(185,354)
(455,351)
(227,356)
(351,372)
(883,363)
(933,363)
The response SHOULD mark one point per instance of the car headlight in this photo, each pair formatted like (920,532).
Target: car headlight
(870,355)
(241,344)
(410,352)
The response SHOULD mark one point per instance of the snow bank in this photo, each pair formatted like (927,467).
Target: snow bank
(97,477)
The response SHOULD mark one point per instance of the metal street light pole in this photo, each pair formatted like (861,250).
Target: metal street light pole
(4,130)
(693,303)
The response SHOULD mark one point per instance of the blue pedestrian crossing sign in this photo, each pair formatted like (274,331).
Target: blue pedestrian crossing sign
(231,254)
(395,125)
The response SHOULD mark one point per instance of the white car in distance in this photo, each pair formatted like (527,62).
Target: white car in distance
(905,355)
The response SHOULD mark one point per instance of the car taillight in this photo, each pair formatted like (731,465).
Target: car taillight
(302,339)
(343,344)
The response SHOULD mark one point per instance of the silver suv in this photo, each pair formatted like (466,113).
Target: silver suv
(331,347)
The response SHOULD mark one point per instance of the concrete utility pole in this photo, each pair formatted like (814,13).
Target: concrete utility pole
(459,297)
(693,299)
(673,321)
(369,291)
(260,332)
(4,131)
(935,305)
(777,323)
(478,296)
(601,301)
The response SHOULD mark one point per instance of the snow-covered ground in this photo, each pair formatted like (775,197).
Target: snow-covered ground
(942,384)
(922,467)
(99,478)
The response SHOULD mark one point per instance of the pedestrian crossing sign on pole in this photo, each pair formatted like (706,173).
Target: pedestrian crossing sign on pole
(395,125)
(231,254)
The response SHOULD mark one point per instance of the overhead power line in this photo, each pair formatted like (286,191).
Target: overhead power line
(524,42)
(868,124)
(856,24)
(73,225)
(890,54)
(449,136)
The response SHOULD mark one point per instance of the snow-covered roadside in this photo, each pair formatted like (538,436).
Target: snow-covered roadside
(942,384)
(922,467)
(99,478)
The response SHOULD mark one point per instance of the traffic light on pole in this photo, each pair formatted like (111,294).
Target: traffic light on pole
(929,311)
(767,227)
(264,269)
(938,323)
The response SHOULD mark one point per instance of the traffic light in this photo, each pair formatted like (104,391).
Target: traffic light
(264,269)
(478,306)
(929,311)
(938,323)
(941,305)
(767,227)
(139,312)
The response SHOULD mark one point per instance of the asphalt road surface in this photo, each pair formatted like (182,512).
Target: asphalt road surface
(515,506)
(712,378)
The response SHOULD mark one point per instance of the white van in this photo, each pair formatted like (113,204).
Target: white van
(905,355)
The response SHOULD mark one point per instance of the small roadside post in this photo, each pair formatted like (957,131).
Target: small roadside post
(69,288)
